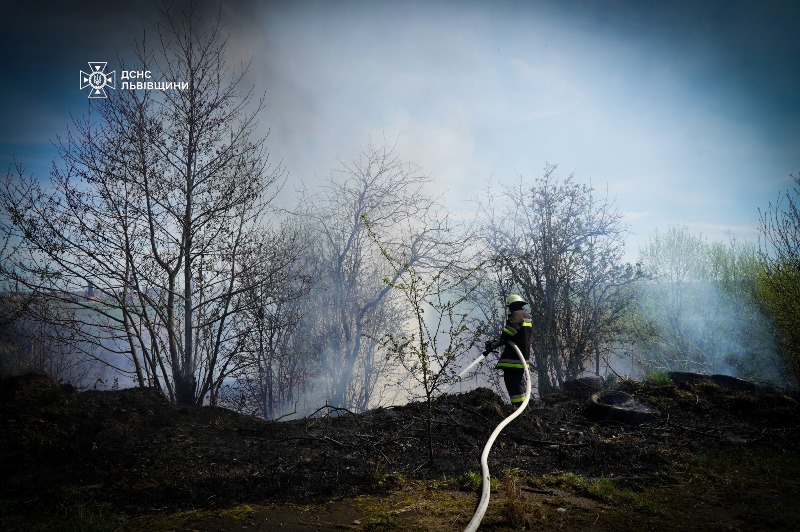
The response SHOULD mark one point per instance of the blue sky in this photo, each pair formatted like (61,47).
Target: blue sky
(687,111)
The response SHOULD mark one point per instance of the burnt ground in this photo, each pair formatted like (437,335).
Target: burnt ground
(715,459)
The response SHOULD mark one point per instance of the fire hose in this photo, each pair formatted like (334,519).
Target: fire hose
(484,500)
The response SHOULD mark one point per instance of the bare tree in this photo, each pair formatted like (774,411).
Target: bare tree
(561,245)
(355,303)
(154,204)
(441,327)
(34,339)
(275,366)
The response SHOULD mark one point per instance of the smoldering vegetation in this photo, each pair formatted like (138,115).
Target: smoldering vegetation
(134,452)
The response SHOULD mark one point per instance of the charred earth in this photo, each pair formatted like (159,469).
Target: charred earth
(706,457)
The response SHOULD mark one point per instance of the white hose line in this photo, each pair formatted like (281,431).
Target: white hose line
(484,502)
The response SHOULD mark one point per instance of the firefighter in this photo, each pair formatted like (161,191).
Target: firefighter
(518,331)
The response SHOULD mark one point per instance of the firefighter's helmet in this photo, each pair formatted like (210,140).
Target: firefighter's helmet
(514,298)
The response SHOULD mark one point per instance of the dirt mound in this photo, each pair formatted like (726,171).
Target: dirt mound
(135,450)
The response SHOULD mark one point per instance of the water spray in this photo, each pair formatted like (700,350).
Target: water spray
(480,511)
(465,371)
(469,368)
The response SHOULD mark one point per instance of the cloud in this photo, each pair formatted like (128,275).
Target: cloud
(686,111)
(631,216)
(542,91)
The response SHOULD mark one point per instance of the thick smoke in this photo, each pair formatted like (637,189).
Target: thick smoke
(697,326)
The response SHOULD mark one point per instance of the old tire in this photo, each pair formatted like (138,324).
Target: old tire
(619,406)
(726,381)
(733,383)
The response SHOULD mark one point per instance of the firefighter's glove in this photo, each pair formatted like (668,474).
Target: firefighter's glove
(490,346)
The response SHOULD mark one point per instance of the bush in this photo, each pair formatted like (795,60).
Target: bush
(657,377)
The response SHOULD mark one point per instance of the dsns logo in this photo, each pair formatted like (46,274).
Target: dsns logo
(97,80)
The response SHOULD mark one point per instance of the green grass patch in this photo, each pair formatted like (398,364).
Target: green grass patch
(382,513)
(657,377)
(237,513)
(749,462)
(186,519)
(605,490)
(72,508)
(471,482)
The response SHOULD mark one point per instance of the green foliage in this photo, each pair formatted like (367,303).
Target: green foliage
(779,286)
(469,481)
(668,326)
(655,377)
(779,289)
(699,309)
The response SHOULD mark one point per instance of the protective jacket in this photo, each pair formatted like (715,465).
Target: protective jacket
(517,330)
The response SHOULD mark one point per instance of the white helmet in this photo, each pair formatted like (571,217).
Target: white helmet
(514,298)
